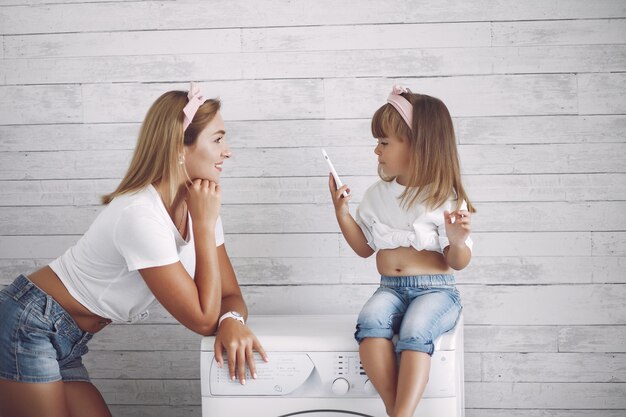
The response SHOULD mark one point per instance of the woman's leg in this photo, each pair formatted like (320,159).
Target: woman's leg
(84,399)
(20,399)
(379,362)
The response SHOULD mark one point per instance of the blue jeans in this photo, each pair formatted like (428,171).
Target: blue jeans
(39,340)
(419,308)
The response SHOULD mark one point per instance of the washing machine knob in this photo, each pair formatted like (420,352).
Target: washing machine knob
(368,387)
(341,386)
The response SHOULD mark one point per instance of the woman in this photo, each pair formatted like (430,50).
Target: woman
(159,238)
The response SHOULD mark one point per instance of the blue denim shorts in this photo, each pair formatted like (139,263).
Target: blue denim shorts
(39,340)
(418,308)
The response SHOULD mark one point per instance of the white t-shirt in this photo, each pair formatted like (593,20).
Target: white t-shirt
(387,225)
(132,232)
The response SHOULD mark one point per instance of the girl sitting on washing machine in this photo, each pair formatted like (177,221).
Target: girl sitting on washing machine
(417,220)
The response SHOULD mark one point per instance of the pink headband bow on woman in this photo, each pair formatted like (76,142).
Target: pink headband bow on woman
(402,105)
(195,101)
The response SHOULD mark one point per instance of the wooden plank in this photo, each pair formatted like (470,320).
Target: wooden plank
(546,305)
(316,64)
(326,133)
(324,245)
(168,337)
(509,412)
(554,367)
(169,411)
(149,391)
(602,93)
(497,270)
(472,366)
(608,243)
(307,162)
(248,99)
(496,95)
(391,36)
(130,365)
(548,395)
(319,218)
(451,61)
(540,129)
(122,43)
(565,32)
(483,270)
(35,16)
(242,100)
(172,66)
(58,137)
(146,337)
(481,188)
(40,104)
(596,339)
(537,243)
(12,268)
(601,216)
(241,245)
(505,305)
(32,247)
(489,338)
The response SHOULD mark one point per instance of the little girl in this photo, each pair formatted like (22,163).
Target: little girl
(417,219)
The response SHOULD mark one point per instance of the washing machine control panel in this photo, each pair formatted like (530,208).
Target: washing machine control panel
(309,374)
(293,373)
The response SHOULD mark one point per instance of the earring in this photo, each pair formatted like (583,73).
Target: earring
(181,159)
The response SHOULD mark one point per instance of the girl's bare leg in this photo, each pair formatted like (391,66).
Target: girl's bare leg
(379,361)
(412,380)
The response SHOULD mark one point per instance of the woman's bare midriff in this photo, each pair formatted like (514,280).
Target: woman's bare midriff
(408,261)
(49,282)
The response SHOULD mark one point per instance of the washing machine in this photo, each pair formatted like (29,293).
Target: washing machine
(314,371)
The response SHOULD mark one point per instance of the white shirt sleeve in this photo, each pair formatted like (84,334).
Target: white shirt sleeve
(441,227)
(143,239)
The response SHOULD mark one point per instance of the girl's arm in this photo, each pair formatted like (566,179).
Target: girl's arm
(457,253)
(349,227)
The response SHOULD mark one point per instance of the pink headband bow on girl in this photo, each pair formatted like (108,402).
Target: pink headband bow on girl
(195,101)
(402,105)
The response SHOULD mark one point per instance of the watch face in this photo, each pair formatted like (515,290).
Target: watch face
(234,313)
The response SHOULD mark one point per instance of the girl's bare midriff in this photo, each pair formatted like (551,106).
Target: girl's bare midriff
(49,282)
(408,261)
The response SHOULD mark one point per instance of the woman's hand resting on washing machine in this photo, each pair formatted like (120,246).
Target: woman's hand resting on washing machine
(240,343)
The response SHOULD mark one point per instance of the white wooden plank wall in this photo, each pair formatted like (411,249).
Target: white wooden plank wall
(537,89)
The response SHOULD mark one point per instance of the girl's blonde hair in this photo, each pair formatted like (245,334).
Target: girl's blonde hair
(160,143)
(434,170)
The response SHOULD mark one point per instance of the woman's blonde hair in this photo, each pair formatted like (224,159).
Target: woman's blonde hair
(434,170)
(160,143)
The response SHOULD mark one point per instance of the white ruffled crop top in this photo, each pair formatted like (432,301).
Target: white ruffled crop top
(387,225)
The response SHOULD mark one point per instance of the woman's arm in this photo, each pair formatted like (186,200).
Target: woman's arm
(234,337)
(349,227)
(196,303)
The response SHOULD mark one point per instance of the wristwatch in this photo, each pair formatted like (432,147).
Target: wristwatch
(231,315)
